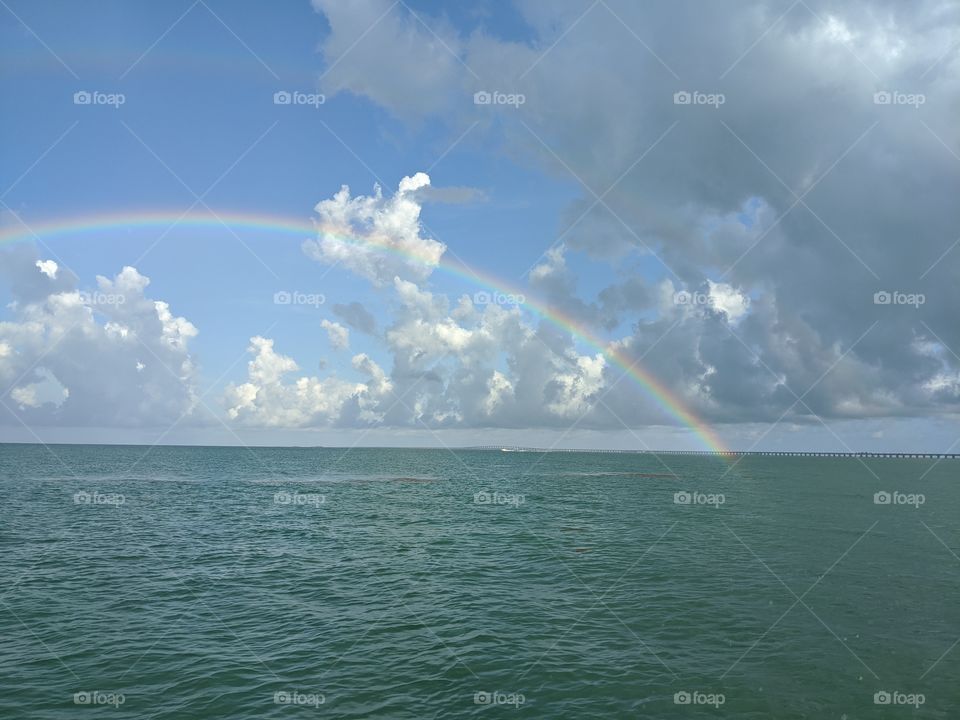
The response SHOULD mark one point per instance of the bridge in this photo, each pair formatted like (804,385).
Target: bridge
(729,453)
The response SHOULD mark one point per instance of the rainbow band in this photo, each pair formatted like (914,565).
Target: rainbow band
(90,224)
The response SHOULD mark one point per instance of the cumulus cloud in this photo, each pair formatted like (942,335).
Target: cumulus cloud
(47,390)
(107,356)
(375,237)
(338,335)
(269,399)
(453,365)
(728,300)
(48,268)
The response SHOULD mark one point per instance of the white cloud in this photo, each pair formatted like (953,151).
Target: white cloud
(574,391)
(270,399)
(338,335)
(48,268)
(729,300)
(47,390)
(452,367)
(25,396)
(499,388)
(554,265)
(73,355)
(375,237)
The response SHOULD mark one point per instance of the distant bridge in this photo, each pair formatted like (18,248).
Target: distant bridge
(730,453)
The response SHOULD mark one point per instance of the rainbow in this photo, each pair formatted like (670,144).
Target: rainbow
(88,225)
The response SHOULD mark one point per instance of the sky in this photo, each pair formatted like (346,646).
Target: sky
(583,224)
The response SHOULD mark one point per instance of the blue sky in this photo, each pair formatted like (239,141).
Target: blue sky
(699,202)
(200,99)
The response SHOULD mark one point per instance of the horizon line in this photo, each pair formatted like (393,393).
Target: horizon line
(906,454)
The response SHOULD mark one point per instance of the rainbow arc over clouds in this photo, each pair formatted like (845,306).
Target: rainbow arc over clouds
(81,226)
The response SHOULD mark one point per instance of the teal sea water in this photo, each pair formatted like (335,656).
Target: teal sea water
(375,583)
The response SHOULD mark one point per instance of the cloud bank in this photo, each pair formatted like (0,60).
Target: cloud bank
(105,356)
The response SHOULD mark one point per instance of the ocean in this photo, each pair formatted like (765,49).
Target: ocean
(180,582)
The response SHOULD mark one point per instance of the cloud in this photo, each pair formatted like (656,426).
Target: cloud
(268,399)
(728,300)
(338,335)
(375,237)
(21,271)
(108,356)
(405,71)
(47,390)
(453,365)
(48,268)
(572,393)
(357,317)
(814,185)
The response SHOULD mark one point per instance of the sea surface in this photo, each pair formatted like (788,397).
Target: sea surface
(181,582)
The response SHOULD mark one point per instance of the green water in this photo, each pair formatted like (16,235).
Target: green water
(268,583)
